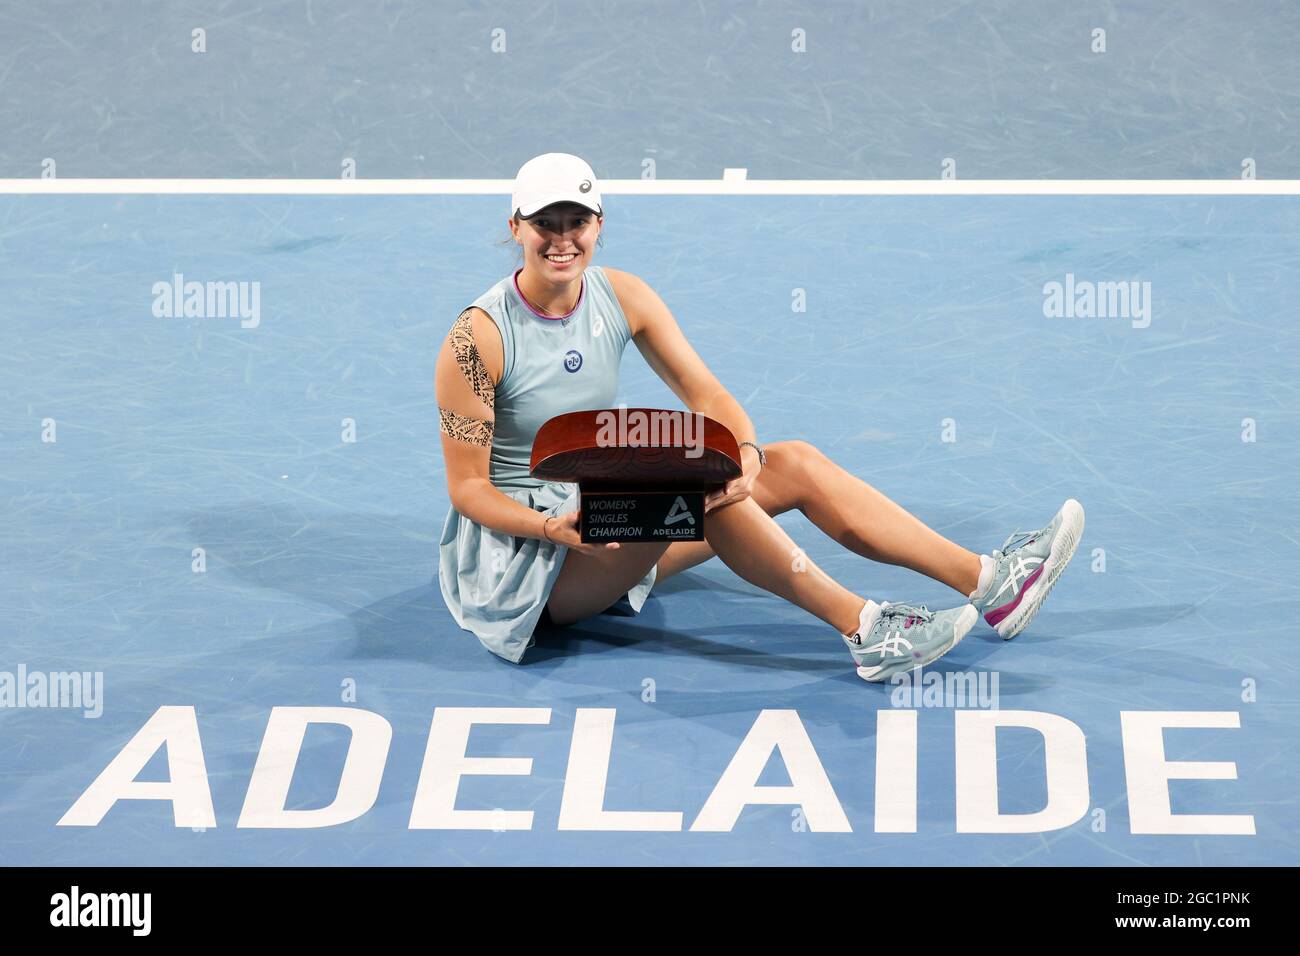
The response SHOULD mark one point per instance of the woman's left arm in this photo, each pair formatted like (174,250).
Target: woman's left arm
(667,351)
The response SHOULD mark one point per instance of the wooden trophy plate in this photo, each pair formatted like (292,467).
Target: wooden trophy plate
(642,473)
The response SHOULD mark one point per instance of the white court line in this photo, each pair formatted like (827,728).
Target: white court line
(731,186)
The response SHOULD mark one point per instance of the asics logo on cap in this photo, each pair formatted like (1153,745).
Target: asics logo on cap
(585,186)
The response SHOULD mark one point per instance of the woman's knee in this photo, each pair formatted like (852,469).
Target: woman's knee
(794,466)
(796,452)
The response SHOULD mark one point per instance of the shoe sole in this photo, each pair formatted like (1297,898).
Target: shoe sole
(1063,547)
(960,628)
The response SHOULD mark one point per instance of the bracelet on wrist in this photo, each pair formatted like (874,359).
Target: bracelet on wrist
(762,458)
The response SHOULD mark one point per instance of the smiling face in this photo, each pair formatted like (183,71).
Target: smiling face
(558,241)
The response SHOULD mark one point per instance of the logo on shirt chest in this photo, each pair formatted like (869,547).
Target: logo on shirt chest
(572,360)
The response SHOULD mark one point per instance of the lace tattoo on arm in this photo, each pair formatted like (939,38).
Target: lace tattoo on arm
(474,431)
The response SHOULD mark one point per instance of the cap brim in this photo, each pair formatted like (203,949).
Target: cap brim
(533,209)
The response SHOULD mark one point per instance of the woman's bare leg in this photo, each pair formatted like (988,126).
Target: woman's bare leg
(851,512)
(751,543)
(748,541)
(776,492)
(589,583)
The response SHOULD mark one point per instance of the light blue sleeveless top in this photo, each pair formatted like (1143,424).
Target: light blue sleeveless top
(495,584)
(552,365)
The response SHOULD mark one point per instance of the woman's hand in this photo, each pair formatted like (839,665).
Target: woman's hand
(737,489)
(563,529)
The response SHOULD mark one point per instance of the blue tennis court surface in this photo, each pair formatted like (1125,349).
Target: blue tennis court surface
(923,363)
(867,89)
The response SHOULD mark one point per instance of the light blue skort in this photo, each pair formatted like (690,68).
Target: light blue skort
(496,585)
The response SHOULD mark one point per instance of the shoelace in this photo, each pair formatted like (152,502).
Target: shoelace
(1008,546)
(892,645)
(920,612)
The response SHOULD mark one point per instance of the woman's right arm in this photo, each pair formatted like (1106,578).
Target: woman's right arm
(465,379)
(469,367)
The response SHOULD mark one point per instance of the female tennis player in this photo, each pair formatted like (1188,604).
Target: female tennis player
(547,340)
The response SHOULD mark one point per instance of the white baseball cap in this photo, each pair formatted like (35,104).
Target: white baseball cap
(552,178)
